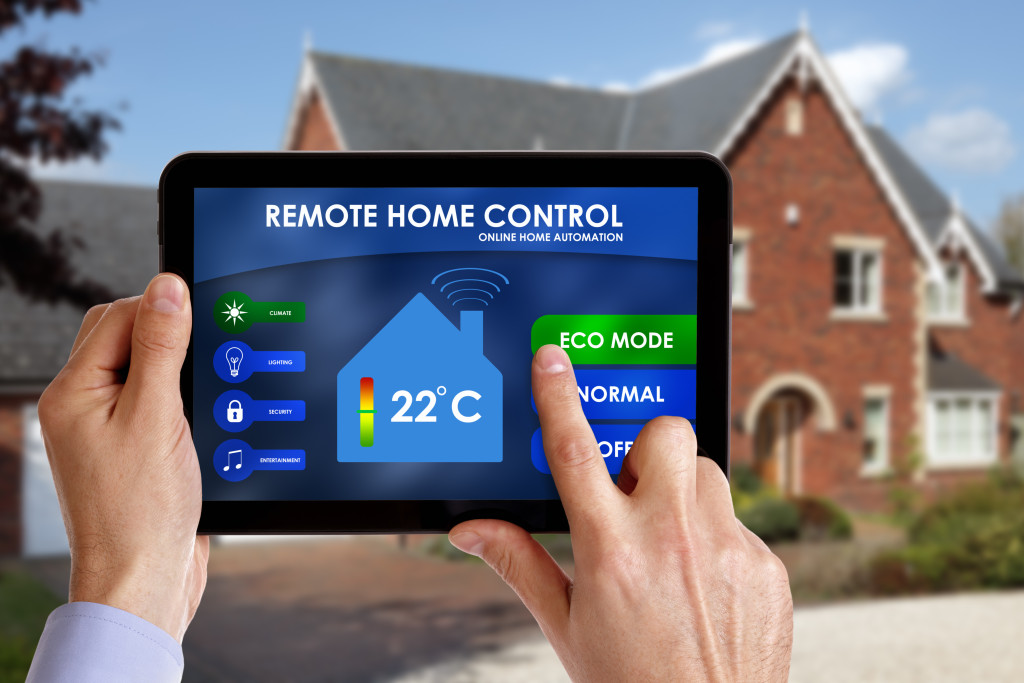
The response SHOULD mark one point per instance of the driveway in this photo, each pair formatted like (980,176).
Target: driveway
(360,609)
(972,637)
(336,609)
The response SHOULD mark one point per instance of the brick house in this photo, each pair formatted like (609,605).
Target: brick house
(875,327)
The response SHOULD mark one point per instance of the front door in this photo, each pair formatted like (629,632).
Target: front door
(777,443)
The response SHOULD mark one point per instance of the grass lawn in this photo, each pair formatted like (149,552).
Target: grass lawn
(24,606)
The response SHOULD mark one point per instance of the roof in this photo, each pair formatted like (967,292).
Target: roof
(382,105)
(35,337)
(696,110)
(946,372)
(385,105)
(378,105)
(934,209)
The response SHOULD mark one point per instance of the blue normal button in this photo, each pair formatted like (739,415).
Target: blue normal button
(613,441)
(636,393)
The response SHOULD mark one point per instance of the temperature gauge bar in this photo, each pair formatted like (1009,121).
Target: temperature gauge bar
(366,411)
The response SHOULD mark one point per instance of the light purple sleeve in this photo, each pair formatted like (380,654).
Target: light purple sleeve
(88,642)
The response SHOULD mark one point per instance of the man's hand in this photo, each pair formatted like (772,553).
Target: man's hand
(668,584)
(123,459)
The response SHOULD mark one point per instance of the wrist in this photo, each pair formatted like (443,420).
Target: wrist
(150,589)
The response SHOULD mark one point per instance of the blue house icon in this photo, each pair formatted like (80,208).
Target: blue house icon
(432,395)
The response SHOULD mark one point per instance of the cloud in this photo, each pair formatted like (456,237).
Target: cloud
(871,71)
(616,87)
(716,52)
(973,140)
(714,30)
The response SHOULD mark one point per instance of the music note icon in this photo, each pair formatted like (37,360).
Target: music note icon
(230,454)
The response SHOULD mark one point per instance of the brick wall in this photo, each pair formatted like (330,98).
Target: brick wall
(314,129)
(789,328)
(11,446)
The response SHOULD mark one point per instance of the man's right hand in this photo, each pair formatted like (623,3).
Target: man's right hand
(123,460)
(668,584)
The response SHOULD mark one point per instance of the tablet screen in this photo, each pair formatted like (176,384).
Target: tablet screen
(375,343)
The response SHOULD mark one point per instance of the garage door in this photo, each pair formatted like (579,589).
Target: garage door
(42,526)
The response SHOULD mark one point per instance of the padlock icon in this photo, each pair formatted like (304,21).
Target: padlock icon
(235,411)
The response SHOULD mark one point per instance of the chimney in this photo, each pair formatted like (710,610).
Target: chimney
(471,324)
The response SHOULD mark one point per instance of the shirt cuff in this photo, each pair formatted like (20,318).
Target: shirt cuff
(87,642)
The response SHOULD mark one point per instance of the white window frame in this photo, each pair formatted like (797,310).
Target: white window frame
(882,462)
(870,309)
(741,288)
(973,457)
(945,313)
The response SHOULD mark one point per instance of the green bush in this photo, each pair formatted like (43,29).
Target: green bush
(771,518)
(24,605)
(973,539)
(744,479)
(821,519)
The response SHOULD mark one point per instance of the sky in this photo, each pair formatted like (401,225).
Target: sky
(943,78)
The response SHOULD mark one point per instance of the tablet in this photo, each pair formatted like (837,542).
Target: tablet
(364,325)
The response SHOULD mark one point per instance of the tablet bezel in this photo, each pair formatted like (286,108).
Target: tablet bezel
(460,169)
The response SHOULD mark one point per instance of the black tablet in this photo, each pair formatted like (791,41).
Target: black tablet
(364,324)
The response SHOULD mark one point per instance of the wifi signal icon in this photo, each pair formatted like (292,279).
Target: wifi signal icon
(470,288)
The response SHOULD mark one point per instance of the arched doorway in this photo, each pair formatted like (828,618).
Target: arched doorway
(779,413)
(778,442)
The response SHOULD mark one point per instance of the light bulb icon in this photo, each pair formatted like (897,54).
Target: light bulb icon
(234,356)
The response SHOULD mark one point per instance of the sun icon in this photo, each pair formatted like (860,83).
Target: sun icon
(235,312)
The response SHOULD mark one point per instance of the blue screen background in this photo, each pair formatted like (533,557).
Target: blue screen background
(351,293)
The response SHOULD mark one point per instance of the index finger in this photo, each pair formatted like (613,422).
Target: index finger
(582,479)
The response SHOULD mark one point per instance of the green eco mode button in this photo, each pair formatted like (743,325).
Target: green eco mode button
(620,339)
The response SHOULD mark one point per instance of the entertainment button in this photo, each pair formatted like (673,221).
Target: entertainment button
(620,339)
(636,394)
(614,441)
(235,460)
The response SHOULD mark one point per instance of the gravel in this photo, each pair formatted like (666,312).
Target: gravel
(967,637)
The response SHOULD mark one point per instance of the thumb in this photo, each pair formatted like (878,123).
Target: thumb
(524,565)
(159,340)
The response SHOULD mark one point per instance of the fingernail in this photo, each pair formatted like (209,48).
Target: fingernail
(551,358)
(166,294)
(468,542)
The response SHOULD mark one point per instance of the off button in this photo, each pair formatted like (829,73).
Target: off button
(620,339)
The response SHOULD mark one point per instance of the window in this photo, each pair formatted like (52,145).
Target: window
(858,280)
(946,300)
(876,435)
(740,271)
(794,116)
(962,429)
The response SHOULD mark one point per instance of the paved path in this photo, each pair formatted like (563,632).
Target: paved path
(361,610)
(971,637)
(343,610)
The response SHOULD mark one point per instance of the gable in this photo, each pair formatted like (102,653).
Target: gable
(941,217)
(314,130)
